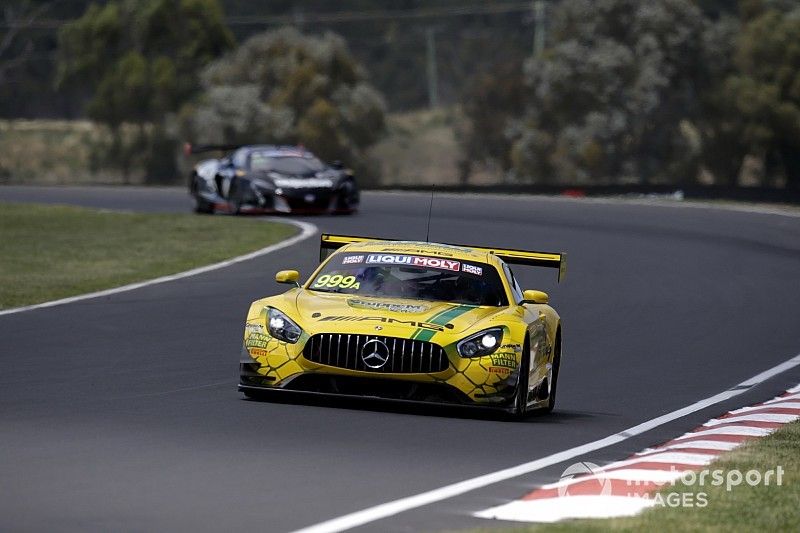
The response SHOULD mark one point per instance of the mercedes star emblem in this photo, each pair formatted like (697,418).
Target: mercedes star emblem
(375,353)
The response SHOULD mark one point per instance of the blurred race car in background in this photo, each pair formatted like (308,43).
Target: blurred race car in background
(270,179)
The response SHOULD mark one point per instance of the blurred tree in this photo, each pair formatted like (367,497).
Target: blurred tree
(285,87)
(25,57)
(609,97)
(140,60)
(470,37)
(383,35)
(717,8)
(16,42)
(492,100)
(755,110)
(721,147)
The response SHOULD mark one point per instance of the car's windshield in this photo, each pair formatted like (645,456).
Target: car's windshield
(294,165)
(411,276)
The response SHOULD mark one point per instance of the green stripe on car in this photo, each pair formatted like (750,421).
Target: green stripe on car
(440,319)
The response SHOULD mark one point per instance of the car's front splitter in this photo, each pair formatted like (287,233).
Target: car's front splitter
(472,407)
(383,388)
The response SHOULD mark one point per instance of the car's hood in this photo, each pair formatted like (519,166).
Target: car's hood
(396,316)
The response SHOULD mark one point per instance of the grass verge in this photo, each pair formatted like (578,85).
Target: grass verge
(743,508)
(51,252)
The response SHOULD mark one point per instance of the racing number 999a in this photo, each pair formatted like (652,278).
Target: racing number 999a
(336,281)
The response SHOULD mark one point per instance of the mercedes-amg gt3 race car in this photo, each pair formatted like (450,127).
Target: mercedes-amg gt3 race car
(412,321)
(270,179)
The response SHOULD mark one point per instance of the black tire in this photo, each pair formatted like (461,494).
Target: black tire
(201,205)
(345,199)
(234,197)
(551,399)
(519,410)
(252,394)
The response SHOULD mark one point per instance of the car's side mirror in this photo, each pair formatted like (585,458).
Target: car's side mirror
(535,297)
(288,276)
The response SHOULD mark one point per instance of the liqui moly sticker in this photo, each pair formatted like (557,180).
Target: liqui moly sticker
(414,260)
(472,269)
(353,259)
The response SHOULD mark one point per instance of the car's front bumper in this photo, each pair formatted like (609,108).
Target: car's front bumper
(264,203)
(280,366)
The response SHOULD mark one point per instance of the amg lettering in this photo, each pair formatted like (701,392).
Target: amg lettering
(385,320)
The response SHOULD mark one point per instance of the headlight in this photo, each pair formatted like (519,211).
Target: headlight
(481,344)
(282,327)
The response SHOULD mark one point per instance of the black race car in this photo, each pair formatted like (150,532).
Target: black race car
(270,179)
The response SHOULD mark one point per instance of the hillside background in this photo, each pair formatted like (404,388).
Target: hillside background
(701,92)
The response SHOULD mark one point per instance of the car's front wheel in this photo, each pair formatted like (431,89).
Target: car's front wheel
(252,394)
(201,205)
(520,407)
(553,378)
(236,196)
(346,199)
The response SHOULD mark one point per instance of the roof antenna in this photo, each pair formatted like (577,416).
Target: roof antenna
(430,208)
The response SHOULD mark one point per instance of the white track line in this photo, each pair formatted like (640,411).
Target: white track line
(306,231)
(385,510)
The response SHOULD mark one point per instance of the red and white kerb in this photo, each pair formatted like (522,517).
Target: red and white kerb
(624,488)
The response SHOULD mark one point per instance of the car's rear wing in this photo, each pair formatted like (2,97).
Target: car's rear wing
(329,243)
(189,148)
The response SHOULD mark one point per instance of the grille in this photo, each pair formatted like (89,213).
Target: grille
(406,356)
(296,200)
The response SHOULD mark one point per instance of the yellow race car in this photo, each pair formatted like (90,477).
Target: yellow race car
(409,321)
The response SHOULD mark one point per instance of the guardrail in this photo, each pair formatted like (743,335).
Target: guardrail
(695,192)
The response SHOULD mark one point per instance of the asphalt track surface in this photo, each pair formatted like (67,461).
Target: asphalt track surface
(121,413)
